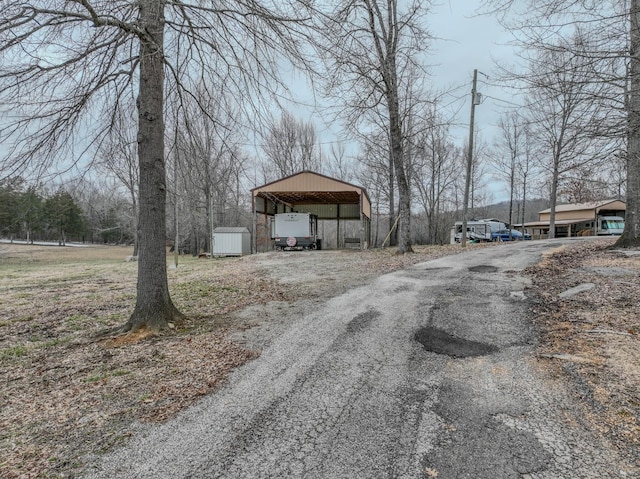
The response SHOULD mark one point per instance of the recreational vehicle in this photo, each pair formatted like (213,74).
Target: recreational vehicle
(295,231)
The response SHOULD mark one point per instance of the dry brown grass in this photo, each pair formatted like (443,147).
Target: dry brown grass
(592,339)
(68,391)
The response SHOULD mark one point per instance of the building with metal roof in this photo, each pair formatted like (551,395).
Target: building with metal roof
(572,219)
(310,192)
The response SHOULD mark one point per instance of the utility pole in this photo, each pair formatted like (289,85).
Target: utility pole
(475,100)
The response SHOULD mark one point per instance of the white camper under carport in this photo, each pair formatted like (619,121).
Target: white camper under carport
(231,241)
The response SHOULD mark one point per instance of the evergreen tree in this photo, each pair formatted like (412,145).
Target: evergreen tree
(64,216)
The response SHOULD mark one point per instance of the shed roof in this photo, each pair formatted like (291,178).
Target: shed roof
(231,229)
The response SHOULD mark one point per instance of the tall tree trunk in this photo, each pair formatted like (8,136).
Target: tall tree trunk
(154,308)
(511,192)
(136,232)
(554,196)
(397,151)
(524,201)
(208,197)
(631,235)
(392,202)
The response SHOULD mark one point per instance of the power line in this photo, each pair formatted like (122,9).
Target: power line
(503,101)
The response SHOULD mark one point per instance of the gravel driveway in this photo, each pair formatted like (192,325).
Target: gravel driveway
(426,372)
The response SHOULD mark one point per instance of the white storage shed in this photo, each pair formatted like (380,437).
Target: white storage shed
(231,241)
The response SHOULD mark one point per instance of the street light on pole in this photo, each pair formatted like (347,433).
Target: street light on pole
(476,99)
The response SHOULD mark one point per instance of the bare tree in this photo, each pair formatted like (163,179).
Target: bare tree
(290,146)
(631,235)
(478,194)
(526,170)
(565,114)
(106,208)
(435,170)
(508,153)
(616,175)
(369,50)
(117,156)
(209,163)
(612,53)
(68,65)
(375,155)
(583,185)
(374,176)
(339,165)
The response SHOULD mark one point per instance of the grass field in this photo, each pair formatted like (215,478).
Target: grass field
(68,392)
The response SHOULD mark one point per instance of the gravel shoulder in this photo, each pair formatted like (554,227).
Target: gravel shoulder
(590,340)
(69,396)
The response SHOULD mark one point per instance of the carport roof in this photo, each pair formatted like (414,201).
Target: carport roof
(533,224)
(592,205)
(308,187)
(313,197)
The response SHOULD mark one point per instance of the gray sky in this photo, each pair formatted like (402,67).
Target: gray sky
(466,42)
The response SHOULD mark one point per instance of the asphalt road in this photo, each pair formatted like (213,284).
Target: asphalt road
(427,372)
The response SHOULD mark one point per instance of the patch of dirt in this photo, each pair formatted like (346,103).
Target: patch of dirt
(67,391)
(592,338)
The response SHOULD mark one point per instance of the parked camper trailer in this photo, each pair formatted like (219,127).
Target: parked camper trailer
(477,230)
(295,231)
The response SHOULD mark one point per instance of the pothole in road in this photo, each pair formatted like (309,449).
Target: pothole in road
(441,342)
(362,321)
(483,268)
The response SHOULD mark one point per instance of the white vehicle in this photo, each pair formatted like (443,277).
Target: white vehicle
(609,225)
(604,226)
(295,231)
(477,230)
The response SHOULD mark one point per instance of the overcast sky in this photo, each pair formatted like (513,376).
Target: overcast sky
(464,41)
(468,41)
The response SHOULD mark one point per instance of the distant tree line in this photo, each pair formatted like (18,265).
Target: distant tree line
(559,143)
(28,213)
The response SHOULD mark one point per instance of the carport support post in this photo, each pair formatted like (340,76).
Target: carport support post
(338,226)
(254,226)
(361,225)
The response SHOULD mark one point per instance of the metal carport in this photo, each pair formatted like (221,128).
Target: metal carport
(573,214)
(310,192)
